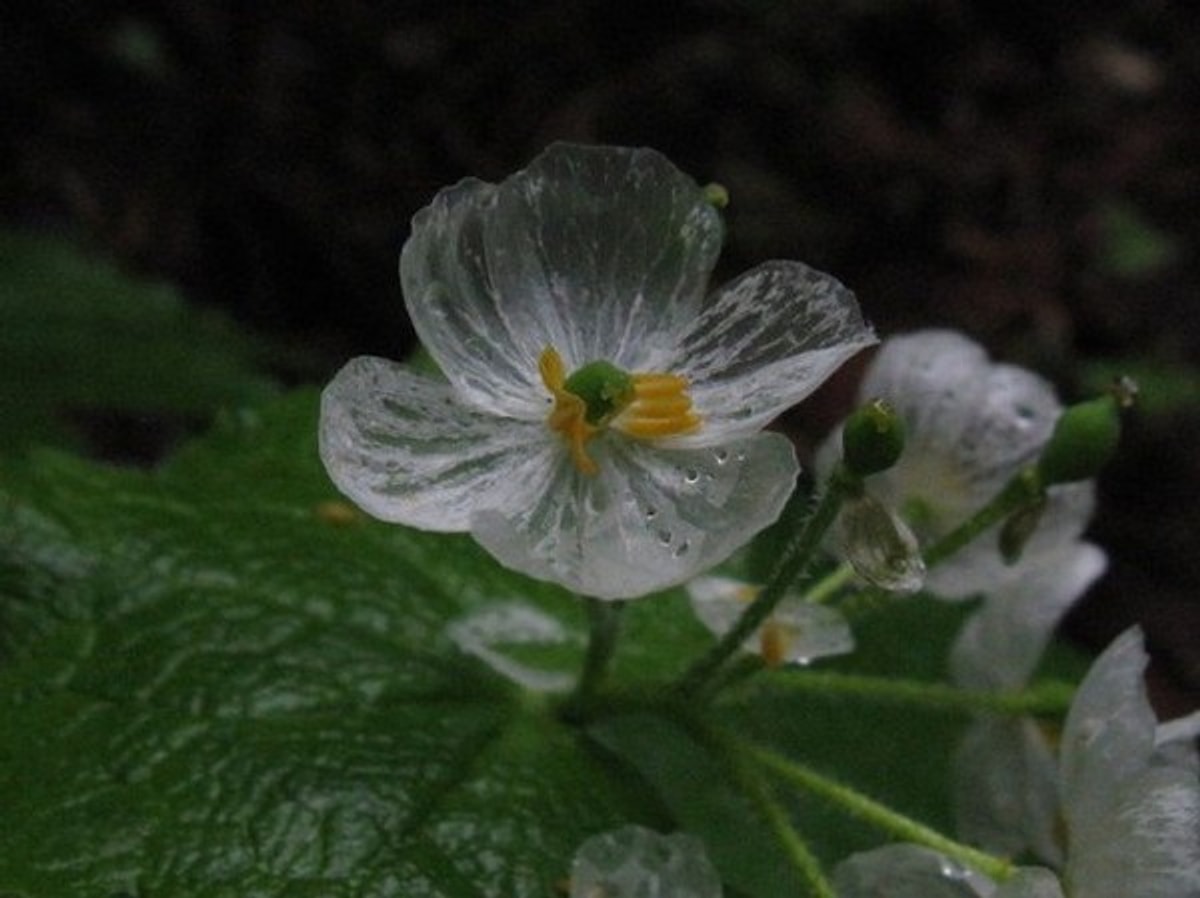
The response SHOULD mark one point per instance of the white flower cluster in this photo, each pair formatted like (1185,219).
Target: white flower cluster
(1129,789)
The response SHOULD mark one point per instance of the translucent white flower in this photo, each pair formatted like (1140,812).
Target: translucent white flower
(1130,791)
(1005,793)
(797,632)
(880,546)
(635,862)
(971,424)
(600,421)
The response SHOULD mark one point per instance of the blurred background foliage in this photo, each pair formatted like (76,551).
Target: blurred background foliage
(205,201)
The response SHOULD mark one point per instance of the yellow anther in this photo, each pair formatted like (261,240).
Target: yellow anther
(661,407)
(773,643)
(569,415)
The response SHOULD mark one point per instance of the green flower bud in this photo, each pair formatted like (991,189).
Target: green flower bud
(1084,439)
(872,439)
(716,195)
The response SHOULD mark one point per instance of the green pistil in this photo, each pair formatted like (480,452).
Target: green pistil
(604,388)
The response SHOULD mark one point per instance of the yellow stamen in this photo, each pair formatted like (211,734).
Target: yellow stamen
(569,414)
(661,407)
(773,643)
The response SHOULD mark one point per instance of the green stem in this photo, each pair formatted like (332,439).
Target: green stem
(795,558)
(604,618)
(826,588)
(1024,488)
(1051,697)
(879,815)
(736,759)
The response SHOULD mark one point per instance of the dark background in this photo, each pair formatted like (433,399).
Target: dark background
(1027,172)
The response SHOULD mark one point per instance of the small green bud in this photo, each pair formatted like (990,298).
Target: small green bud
(716,195)
(1084,439)
(604,388)
(872,439)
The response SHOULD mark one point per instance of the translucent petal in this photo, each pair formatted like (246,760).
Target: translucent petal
(651,518)
(404,449)
(1005,789)
(972,425)
(1031,882)
(1109,732)
(764,342)
(454,305)
(1147,844)
(635,862)
(799,631)
(494,632)
(601,252)
(1001,643)
(907,871)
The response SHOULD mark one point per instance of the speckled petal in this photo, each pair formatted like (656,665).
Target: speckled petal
(635,862)
(650,519)
(404,449)
(601,252)
(763,343)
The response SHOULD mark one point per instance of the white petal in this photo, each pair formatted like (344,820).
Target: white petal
(1109,732)
(601,252)
(404,449)
(650,519)
(454,305)
(492,632)
(635,862)
(764,342)
(1005,789)
(1148,843)
(1031,882)
(907,871)
(1001,643)
(807,631)
(972,425)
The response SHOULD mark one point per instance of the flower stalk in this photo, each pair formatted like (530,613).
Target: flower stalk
(879,815)
(604,620)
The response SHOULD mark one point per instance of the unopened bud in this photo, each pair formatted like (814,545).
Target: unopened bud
(1084,439)
(716,195)
(879,546)
(872,439)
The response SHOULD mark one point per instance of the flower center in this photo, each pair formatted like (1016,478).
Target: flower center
(600,394)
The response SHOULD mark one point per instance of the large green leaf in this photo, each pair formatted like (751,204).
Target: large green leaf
(217,680)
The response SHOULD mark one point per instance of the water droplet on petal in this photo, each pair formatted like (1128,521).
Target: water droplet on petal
(682,549)
(665,537)
(691,475)
(721,456)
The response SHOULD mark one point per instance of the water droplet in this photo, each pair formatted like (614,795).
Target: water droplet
(691,475)
(721,455)
(665,537)
(682,549)
(739,456)
(651,512)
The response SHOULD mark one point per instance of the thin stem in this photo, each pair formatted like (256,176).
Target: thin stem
(736,759)
(879,815)
(795,558)
(1024,488)
(826,588)
(604,619)
(1051,697)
